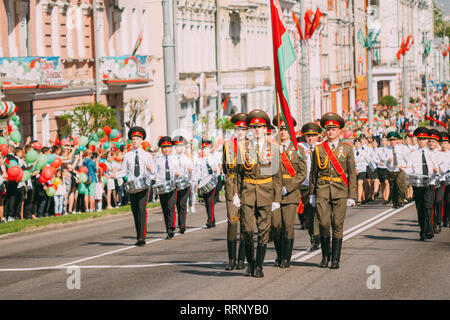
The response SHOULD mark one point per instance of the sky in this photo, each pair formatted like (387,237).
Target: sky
(445,7)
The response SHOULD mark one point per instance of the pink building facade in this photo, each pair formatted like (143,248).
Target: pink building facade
(47,61)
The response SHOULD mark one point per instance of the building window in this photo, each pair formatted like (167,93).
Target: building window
(45,128)
(330,5)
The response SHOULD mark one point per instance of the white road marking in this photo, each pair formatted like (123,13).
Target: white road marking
(348,234)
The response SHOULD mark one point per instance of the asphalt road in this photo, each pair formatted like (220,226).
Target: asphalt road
(382,258)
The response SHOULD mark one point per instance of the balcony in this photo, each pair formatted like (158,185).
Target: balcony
(31,74)
(123,70)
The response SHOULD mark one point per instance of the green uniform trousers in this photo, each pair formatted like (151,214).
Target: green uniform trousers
(259,215)
(233,215)
(310,215)
(331,212)
(398,187)
(283,220)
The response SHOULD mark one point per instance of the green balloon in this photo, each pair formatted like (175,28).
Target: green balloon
(83,141)
(31,156)
(82,189)
(50,158)
(100,133)
(94,137)
(15,136)
(14,118)
(118,145)
(3,140)
(50,192)
(125,178)
(26,176)
(12,163)
(106,145)
(114,133)
(42,161)
(93,143)
(82,177)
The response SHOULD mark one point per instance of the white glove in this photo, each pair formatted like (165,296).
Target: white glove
(350,202)
(312,200)
(283,191)
(236,201)
(275,206)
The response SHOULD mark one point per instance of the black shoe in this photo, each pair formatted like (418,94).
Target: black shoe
(429,235)
(240,264)
(325,244)
(336,253)
(231,244)
(140,243)
(170,235)
(260,254)
(422,238)
(386,202)
(182,230)
(288,244)
(438,229)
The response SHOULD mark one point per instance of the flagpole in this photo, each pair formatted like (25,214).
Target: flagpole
(278,117)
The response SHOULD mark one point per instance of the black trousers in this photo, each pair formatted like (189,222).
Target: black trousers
(27,204)
(168,203)
(424,198)
(209,199)
(10,200)
(218,188)
(181,200)
(139,209)
(446,213)
(438,205)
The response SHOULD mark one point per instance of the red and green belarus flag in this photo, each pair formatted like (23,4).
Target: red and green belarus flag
(284,57)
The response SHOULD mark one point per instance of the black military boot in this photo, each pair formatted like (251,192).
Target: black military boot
(249,252)
(231,254)
(336,253)
(241,256)
(277,240)
(315,243)
(287,253)
(325,243)
(260,254)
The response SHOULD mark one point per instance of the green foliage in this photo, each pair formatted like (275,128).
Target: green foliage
(388,101)
(88,118)
(224,123)
(439,23)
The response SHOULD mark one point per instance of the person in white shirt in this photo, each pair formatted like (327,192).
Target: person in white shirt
(207,169)
(186,168)
(440,162)
(381,156)
(361,164)
(423,162)
(398,156)
(445,146)
(137,164)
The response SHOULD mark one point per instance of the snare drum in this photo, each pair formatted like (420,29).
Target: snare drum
(417,180)
(137,185)
(447,178)
(182,183)
(164,187)
(207,184)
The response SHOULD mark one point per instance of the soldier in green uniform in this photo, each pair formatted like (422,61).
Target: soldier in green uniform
(230,166)
(311,133)
(260,188)
(293,172)
(333,187)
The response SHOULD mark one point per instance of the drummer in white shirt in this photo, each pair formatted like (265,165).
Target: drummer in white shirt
(423,162)
(445,145)
(441,162)
(167,169)
(207,170)
(137,164)
(184,189)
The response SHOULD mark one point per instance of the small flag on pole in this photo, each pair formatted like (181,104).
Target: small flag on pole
(138,44)
(224,104)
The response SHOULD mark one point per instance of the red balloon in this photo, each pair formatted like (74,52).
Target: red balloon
(92,147)
(13,172)
(84,169)
(107,130)
(4,149)
(37,145)
(75,141)
(42,179)
(103,140)
(20,176)
(57,163)
(119,135)
(48,173)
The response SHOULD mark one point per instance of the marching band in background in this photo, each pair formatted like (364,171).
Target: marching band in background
(269,180)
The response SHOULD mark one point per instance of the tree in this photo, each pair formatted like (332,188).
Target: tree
(88,118)
(439,23)
(135,108)
(388,101)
